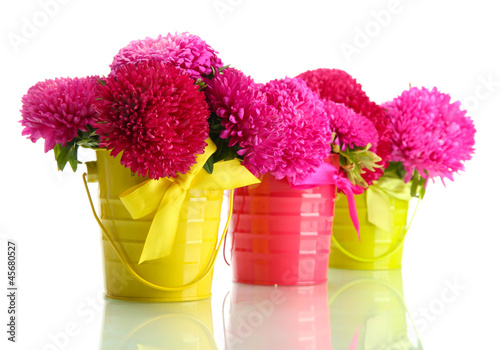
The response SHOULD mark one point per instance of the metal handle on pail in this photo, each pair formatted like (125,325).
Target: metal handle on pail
(387,254)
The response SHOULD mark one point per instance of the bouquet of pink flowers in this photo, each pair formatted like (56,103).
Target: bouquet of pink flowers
(279,127)
(164,97)
(431,137)
(417,136)
(149,108)
(284,128)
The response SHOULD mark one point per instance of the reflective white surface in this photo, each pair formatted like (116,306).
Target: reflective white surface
(354,310)
(450,277)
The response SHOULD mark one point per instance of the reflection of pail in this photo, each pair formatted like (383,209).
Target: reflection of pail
(371,304)
(145,326)
(285,317)
(378,249)
(281,235)
(191,261)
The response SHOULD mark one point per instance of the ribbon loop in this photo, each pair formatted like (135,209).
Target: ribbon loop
(184,180)
(166,196)
(140,205)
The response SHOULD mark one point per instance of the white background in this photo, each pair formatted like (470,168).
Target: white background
(449,44)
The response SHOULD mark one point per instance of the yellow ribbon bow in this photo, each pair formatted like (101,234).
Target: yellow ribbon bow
(378,202)
(166,195)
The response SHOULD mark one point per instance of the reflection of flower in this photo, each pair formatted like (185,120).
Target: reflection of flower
(338,86)
(431,135)
(248,121)
(185,51)
(56,110)
(305,136)
(154,114)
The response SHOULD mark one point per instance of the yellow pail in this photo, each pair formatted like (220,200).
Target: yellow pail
(185,274)
(153,326)
(378,249)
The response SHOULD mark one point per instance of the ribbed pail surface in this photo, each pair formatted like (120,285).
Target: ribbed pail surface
(281,235)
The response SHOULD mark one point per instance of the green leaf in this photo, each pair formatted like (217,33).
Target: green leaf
(209,165)
(211,75)
(217,128)
(423,185)
(414,183)
(221,69)
(356,161)
(69,152)
(395,170)
(422,192)
(201,83)
(61,156)
(418,184)
(88,139)
(57,151)
(401,170)
(65,154)
(73,158)
(214,71)
(343,161)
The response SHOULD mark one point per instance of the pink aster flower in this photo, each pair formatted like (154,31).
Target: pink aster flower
(338,86)
(185,51)
(305,135)
(155,115)
(248,120)
(431,135)
(352,129)
(57,109)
